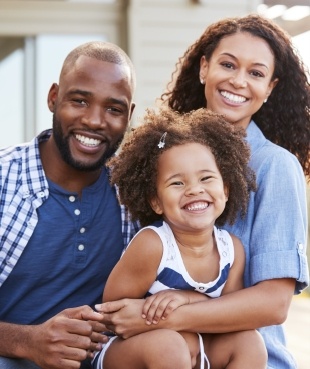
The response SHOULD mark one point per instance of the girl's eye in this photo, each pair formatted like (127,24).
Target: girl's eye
(176,183)
(204,179)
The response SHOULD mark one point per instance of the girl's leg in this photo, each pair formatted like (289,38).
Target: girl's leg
(159,349)
(236,350)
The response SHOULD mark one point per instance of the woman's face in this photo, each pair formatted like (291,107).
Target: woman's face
(238,76)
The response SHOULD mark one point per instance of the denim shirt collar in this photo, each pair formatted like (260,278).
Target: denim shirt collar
(255,137)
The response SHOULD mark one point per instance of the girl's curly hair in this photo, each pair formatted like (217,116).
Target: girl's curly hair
(285,118)
(134,170)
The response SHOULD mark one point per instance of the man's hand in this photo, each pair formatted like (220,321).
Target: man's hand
(66,339)
(124,317)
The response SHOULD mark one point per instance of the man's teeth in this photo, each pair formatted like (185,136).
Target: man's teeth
(198,206)
(87,141)
(232,97)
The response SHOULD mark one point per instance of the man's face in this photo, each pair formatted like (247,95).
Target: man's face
(91,107)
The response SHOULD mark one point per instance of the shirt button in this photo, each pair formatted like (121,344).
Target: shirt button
(201,288)
(71,198)
(81,247)
(82,230)
(77,212)
(300,246)
(41,194)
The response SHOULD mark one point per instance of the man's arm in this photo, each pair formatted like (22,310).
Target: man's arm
(61,342)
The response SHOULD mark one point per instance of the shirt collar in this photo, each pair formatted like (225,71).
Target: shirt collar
(33,175)
(255,137)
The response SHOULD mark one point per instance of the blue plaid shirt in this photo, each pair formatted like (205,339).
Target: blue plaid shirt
(24,188)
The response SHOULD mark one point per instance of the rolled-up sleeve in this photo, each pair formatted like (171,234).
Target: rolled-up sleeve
(277,241)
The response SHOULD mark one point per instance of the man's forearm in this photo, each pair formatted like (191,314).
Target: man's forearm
(15,340)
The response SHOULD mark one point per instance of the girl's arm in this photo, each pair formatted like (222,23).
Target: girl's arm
(235,277)
(135,272)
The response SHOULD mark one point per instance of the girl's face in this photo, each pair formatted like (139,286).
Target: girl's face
(190,191)
(238,76)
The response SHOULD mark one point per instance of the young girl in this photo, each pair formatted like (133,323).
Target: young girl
(179,176)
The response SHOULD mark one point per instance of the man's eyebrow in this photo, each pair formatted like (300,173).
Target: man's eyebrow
(80,92)
(113,100)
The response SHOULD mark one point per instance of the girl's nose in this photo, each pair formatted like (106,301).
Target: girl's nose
(194,190)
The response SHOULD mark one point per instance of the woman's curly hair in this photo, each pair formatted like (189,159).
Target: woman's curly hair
(134,169)
(285,118)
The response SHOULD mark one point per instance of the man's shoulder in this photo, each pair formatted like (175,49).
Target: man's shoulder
(7,154)
(22,150)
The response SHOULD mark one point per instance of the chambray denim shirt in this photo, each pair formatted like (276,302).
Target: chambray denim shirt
(274,230)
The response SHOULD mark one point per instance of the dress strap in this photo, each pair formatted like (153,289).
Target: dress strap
(203,356)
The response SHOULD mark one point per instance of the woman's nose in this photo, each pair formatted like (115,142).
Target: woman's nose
(238,80)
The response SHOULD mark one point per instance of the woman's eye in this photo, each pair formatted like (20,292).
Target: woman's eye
(227,65)
(257,74)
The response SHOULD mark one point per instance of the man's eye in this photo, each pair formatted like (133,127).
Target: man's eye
(114,109)
(80,101)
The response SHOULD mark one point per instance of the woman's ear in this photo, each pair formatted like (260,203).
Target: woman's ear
(203,69)
(271,86)
(226,191)
(156,206)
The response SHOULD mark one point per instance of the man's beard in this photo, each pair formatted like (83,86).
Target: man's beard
(63,146)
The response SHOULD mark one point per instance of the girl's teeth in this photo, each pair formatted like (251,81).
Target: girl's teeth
(199,206)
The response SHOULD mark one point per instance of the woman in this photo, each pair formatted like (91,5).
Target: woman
(247,69)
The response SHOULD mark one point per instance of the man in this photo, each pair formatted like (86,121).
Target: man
(62,229)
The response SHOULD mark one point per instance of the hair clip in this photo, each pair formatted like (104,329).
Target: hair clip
(161,142)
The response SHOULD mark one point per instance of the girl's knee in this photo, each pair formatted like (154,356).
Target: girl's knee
(174,349)
(244,349)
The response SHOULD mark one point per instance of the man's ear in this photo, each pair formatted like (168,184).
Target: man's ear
(52,97)
(156,206)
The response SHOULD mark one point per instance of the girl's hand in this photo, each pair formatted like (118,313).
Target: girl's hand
(161,304)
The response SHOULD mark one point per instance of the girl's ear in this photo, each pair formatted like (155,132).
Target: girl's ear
(156,206)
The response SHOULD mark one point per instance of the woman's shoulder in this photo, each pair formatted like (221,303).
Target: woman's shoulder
(271,155)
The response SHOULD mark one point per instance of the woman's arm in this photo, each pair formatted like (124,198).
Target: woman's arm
(264,304)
